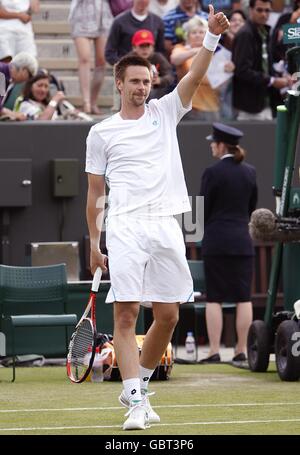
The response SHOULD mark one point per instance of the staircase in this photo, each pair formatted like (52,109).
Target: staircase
(57,53)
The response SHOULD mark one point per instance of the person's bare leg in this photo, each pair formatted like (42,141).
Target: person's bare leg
(125,316)
(99,72)
(165,317)
(214,325)
(244,316)
(83,48)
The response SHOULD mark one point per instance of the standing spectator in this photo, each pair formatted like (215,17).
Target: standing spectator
(90,23)
(162,7)
(236,20)
(230,195)
(22,67)
(126,24)
(255,88)
(174,20)
(205,102)
(162,78)
(16,34)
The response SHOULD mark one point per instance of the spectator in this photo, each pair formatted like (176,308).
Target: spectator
(143,45)
(174,20)
(90,23)
(278,48)
(230,195)
(126,24)
(36,102)
(205,102)
(162,7)
(236,19)
(16,34)
(255,88)
(22,67)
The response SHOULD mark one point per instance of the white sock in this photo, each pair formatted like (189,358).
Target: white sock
(145,375)
(132,389)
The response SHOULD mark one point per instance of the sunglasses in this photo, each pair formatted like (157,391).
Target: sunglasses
(262,10)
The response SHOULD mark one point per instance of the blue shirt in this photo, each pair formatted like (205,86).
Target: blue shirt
(173,21)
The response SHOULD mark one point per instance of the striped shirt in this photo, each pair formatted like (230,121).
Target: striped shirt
(173,21)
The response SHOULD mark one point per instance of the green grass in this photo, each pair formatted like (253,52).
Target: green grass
(197,400)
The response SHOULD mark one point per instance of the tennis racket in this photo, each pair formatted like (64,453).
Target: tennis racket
(83,342)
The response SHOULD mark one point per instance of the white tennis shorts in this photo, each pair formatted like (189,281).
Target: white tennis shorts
(147,260)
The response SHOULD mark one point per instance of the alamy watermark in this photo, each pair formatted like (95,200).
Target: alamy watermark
(191,223)
(296,346)
(2,85)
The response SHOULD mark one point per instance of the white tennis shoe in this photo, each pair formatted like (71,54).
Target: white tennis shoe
(152,415)
(137,417)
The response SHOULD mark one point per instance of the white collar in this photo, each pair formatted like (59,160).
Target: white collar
(139,17)
(227,155)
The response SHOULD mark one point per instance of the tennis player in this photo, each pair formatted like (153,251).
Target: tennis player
(136,153)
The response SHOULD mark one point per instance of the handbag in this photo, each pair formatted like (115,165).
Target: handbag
(118,6)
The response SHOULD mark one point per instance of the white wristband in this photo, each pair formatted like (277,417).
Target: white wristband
(53,103)
(211,41)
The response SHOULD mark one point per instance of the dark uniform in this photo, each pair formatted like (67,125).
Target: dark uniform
(230,195)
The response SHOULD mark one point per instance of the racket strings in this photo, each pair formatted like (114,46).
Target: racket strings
(81,350)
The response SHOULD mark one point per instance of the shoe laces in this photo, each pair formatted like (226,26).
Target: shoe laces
(132,408)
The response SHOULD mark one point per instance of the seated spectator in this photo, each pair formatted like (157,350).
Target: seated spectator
(126,24)
(175,18)
(36,102)
(143,45)
(205,102)
(16,34)
(22,67)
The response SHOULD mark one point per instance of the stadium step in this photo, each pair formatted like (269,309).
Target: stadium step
(71,84)
(55,11)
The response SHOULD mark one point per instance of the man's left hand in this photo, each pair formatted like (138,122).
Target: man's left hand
(217,23)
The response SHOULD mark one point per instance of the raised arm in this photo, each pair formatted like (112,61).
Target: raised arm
(94,214)
(217,24)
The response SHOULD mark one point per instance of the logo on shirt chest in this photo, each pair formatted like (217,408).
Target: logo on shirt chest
(155,123)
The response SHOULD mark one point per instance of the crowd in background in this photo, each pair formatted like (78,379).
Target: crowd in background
(247,78)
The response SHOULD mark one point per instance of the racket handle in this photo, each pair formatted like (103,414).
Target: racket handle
(96,280)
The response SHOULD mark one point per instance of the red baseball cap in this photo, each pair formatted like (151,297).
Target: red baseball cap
(142,37)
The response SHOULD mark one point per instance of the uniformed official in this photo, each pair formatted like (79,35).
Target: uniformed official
(230,195)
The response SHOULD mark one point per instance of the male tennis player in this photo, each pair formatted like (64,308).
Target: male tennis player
(136,153)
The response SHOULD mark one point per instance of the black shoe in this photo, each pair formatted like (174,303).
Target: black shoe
(215,358)
(240,358)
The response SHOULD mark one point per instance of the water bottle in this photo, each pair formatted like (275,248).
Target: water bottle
(190,346)
(97,369)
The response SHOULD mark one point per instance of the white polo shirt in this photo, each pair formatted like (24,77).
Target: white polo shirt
(141,160)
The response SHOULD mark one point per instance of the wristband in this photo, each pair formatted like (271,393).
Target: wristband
(53,103)
(211,41)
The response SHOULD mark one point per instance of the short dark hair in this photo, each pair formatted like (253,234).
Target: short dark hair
(238,11)
(129,60)
(252,3)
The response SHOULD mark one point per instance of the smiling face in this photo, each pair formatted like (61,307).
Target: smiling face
(196,36)
(136,86)
(40,90)
(236,22)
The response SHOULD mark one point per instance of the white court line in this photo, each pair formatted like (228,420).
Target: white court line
(113,408)
(225,422)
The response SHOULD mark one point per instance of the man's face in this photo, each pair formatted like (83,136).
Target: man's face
(144,50)
(19,74)
(260,13)
(135,88)
(188,4)
(141,5)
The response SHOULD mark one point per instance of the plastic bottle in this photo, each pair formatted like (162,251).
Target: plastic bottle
(97,369)
(190,346)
